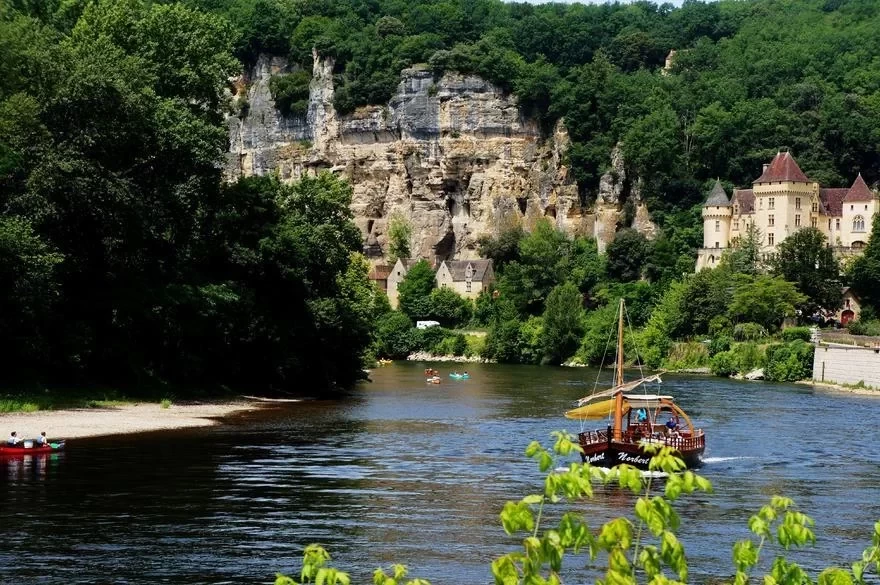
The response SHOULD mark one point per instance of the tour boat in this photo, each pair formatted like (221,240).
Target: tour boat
(636,421)
(29,447)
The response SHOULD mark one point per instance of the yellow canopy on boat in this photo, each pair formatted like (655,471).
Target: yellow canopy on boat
(597,410)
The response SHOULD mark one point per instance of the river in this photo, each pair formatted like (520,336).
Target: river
(406,472)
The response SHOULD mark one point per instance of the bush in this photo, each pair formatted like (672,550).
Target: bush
(449,308)
(795,333)
(687,354)
(291,92)
(749,332)
(476,344)
(862,327)
(749,356)
(789,362)
(430,338)
(724,364)
(720,324)
(459,345)
(719,344)
(394,337)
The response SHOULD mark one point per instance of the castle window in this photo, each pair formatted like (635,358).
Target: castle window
(736,209)
(797,220)
(771,203)
(858,223)
(815,206)
(814,222)
(771,221)
(770,238)
(836,224)
(467,285)
(736,224)
(717,225)
(797,202)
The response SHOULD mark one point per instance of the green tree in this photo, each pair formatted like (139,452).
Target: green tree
(864,271)
(399,238)
(504,248)
(627,255)
(393,336)
(414,292)
(449,308)
(542,265)
(766,300)
(744,257)
(806,259)
(563,323)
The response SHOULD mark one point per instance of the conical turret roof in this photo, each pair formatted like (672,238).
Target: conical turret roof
(783,168)
(859,191)
(717,196)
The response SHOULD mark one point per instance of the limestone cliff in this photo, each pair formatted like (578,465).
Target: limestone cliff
(454,155)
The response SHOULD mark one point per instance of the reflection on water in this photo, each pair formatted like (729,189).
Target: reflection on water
(405,472)
(24,468)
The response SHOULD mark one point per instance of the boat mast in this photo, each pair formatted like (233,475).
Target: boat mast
(618,400)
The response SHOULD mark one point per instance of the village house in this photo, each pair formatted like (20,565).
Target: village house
(396,276)
(379,275)
(850,307)
(466,277)
(781,201)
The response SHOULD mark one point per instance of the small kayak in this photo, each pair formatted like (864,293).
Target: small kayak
(460,376)
(30,448)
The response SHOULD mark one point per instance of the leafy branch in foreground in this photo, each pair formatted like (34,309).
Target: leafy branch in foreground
(645,548)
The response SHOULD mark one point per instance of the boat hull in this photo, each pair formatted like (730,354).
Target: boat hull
(610,453)
(8,450)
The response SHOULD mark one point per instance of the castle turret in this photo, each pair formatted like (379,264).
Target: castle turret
(716,227)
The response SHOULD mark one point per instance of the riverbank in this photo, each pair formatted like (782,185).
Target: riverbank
(120,419)
(864,391)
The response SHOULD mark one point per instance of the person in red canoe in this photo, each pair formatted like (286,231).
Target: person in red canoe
(13,439)
(42,441)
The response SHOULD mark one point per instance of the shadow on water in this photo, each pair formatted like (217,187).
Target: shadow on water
(403,471)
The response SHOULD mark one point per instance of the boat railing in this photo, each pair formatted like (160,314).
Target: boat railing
(684,441)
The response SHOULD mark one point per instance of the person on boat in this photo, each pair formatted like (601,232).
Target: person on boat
(672,426)
(465,373)
(642,415)
(42,440)
(13,439)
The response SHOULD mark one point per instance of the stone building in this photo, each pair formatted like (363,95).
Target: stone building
(466,277)
(781,201)
(396,276)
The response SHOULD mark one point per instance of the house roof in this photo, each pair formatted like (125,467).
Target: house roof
(379,272)
(859,191)
(745,198)
(832,201)
(717,196)
(458,269)
(783,168)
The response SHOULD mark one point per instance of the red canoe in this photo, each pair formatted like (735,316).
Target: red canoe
(20,449)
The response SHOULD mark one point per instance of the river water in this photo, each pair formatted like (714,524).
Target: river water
(406,472)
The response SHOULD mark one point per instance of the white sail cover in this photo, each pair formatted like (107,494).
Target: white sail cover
(622,388)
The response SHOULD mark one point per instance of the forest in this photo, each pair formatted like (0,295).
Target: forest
(127,260)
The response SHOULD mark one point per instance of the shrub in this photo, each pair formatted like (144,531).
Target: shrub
(476,344)
(430,338)
(394,336)
(719,344)
(459,345)
(720,324)
(795,333)
(724,364)
(749,356)
(687,354)
(789,362)
(862,327)
(749,332)
(291,92)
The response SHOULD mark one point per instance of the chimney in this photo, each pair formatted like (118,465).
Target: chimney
(765,167)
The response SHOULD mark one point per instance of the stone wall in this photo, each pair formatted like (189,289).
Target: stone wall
(847,365)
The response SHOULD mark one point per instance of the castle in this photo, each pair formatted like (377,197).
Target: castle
(781,201)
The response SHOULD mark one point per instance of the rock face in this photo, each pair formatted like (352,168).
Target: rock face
(454,156)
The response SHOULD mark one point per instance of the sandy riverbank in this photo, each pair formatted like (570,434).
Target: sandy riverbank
(119,420)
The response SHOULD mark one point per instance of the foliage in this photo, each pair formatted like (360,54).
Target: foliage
(627,254)
(749,332)
(766,300)
(393,336)
(541,266)
(685,355)
(414,291)
(864,271)
(806,259)
(291,92)
(563,323)
(864,327)
(399,237)
(789,362)
(718,344)
(448,307)
(724,364)
(504,248)
(793,333)
(749,356)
